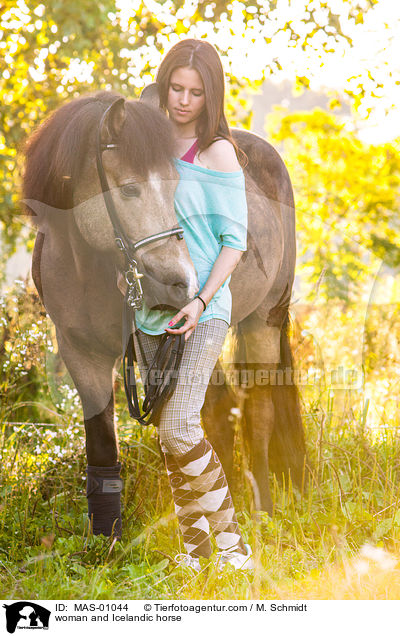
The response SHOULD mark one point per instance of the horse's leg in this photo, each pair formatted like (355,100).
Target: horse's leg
(92,376)
(259,354)
(272,412)
(217,420)
(259,421)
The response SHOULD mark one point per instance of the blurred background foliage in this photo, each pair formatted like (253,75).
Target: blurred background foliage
(346,189)
(345,308)
(52,52)
(347,199)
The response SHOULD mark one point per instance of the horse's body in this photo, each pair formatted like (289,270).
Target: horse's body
(75,265)
(261,288)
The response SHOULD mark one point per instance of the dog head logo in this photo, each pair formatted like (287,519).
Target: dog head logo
(26,615)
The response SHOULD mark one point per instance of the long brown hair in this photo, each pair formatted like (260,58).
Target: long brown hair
(202,57)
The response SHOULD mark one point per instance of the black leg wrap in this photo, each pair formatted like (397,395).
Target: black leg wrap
(103,492)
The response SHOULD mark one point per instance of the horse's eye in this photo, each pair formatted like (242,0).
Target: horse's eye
(130,190)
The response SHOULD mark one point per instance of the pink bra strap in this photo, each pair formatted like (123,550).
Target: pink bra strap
(191,153)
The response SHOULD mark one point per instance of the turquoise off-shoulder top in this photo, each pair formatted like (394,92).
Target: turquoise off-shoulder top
(211,207)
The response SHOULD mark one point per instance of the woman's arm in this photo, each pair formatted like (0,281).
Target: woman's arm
(226,262)
(223,267)
(219,156)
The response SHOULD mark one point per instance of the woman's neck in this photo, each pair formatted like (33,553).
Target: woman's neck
(187,131)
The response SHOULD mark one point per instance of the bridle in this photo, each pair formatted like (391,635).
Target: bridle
(132,275)
(163,367)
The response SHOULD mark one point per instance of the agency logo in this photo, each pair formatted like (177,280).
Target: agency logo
(26,615)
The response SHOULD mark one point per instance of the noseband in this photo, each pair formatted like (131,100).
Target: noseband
(169,354)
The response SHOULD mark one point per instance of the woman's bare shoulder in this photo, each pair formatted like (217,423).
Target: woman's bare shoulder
(221,155)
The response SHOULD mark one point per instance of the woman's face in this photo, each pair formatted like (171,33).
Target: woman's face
(186,100)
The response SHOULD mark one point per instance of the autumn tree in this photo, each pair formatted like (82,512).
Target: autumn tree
(53,51)
(347,197)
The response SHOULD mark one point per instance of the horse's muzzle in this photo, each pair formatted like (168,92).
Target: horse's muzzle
(174,295)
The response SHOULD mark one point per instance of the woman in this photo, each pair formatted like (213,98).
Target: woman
(210,203)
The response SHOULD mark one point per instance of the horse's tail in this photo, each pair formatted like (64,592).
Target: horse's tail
(287,449)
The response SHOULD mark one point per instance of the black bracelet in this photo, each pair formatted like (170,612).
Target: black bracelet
(200,298)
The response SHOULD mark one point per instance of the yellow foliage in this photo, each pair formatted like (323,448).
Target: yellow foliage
(372,574)
(346,199)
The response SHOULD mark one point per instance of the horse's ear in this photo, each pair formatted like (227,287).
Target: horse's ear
(113,121)
(150,95)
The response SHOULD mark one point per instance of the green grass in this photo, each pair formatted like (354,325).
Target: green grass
(313,546)
(45,550)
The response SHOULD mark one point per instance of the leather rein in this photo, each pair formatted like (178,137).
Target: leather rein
(161,377)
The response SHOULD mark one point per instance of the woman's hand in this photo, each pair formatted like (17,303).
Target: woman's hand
(191,312)
(226,262)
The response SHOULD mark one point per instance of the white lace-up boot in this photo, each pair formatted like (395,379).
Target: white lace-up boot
(237,559)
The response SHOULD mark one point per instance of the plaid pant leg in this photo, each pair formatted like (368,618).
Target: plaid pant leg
(180,427)
(180,430)
(202,478)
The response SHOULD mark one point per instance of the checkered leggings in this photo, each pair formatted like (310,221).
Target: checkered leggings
(179,428)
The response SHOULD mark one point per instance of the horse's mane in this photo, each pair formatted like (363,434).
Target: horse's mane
(56,151)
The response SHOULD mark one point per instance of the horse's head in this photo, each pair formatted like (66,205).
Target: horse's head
(141,179)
